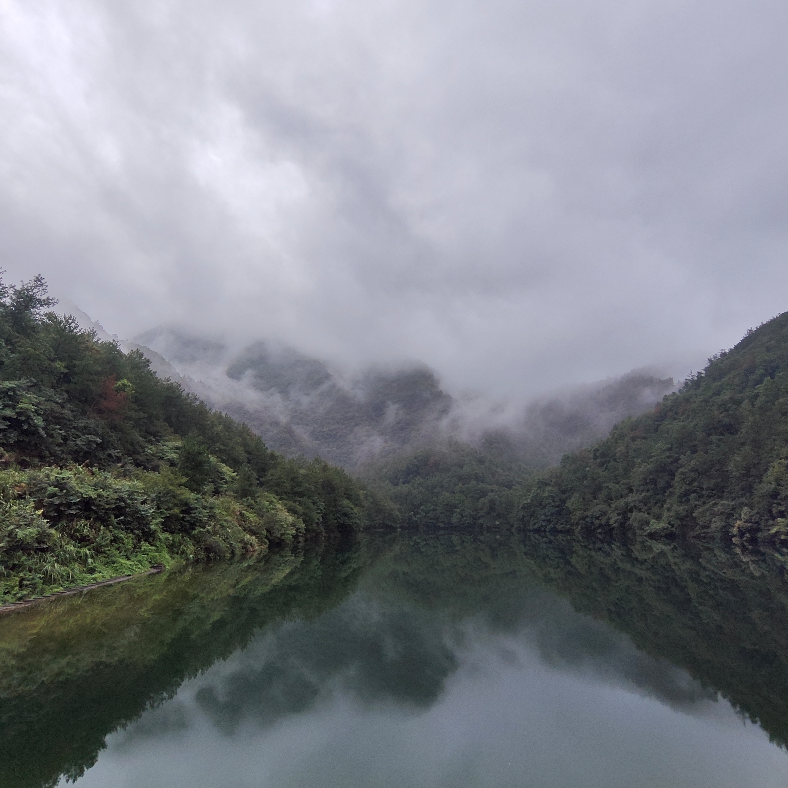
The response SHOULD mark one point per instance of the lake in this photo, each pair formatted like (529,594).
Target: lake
(478,660)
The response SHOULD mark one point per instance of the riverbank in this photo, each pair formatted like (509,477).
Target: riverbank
(25,603)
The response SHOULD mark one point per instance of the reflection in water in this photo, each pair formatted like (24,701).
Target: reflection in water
(420,660)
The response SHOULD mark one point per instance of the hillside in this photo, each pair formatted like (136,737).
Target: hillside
(105,469)
(709,461)
(299,405)
(302,405)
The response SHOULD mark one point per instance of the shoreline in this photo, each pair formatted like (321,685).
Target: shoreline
(25,603)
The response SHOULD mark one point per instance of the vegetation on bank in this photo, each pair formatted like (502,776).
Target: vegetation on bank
(105,469)
(711,461)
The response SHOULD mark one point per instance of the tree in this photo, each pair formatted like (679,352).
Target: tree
(195,462)
(25,303)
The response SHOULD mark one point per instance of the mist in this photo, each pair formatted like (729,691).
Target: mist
(301,405)
(521,195)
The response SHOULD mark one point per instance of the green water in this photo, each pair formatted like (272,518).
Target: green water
(416,660)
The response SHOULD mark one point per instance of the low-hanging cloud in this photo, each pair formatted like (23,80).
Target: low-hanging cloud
(522,195)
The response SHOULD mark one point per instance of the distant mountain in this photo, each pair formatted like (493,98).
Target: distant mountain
(550,427)
(298,405)
(710,460)
(301,405)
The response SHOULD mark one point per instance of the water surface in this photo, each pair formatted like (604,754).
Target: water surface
(420,660)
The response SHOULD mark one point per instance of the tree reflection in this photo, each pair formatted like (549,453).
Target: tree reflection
(385,621)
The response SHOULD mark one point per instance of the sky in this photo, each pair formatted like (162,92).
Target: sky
(522,194)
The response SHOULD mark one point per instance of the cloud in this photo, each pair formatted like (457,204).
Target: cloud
(523,195)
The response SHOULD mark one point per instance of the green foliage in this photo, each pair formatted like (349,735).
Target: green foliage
(245,483)
(105,469)
(321,495)
(454,486)
(708,462)
(195,463)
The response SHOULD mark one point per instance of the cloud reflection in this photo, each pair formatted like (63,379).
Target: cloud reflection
(379,651)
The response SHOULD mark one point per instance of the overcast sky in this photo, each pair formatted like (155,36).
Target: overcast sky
(521,193)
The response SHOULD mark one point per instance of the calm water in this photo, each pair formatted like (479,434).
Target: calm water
(411,661)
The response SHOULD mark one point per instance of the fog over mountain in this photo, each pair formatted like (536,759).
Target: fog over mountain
(303,405)
(524,195)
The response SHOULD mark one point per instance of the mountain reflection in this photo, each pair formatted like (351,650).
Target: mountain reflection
(386,623)
(376,653)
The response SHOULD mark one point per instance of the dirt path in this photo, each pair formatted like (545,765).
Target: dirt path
(14,606)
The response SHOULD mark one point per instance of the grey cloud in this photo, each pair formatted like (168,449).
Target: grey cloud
(522,195)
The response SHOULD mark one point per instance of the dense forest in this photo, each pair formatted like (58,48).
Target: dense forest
(107,470)
(453,485)
(710,461)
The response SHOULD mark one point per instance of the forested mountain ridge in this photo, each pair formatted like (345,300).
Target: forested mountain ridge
(105,469)
(460,484)
(300,404)
(709,461)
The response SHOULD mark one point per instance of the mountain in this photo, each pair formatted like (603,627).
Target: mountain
(299,405)
(442,460)
(105,469)
(551,426)
(709,461)
(302,405)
